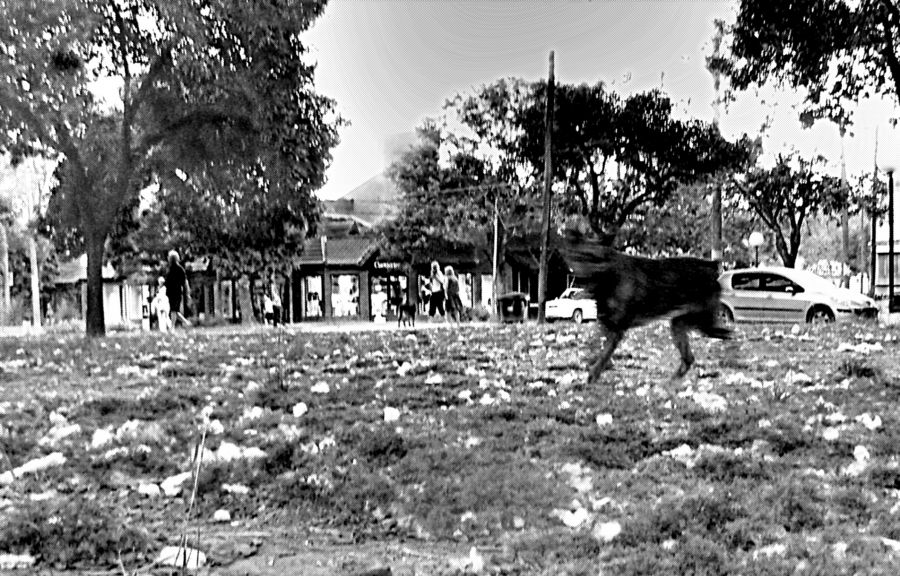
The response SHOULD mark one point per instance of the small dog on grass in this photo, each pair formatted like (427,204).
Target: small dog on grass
(406,314)
(631,291)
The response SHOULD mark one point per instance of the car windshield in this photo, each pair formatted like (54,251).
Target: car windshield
(813,281)
(573,293)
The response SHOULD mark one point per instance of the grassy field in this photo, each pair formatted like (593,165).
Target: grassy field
(454,450)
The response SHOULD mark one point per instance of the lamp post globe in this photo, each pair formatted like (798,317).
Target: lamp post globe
(755,241)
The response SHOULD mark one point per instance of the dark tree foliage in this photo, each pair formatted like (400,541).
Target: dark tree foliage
(785,196)
(446,206)
(838,52)
(613,157)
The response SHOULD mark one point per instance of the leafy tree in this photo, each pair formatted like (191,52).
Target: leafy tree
(613,158)
(785,196)
(837,51)
(445,204)
(214,90)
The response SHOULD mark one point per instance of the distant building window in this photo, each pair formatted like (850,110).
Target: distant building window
(345,295)
(882,268)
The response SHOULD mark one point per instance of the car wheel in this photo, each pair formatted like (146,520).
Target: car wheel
(725,315)
(577,316)
(820,315)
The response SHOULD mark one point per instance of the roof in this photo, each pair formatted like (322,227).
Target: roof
(349,251)
(75,270)
(372,202)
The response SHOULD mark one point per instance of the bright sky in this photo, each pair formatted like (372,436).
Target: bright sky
(389,64)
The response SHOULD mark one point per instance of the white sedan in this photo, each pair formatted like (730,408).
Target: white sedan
(574,303)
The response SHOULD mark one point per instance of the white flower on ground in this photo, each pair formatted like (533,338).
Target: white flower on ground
(101,437)
(238,489)
(320,388)
(391,414)
(710,402)
(871,423)
(299,409)
(607,531)
(476,560)
(831,433)
(777,549)
(434,380)
(572,518)
(604,419)
(171,486)
(150,490)
(216,428)
(178,557)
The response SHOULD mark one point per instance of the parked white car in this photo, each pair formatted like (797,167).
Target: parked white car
(779,294)
(575,304)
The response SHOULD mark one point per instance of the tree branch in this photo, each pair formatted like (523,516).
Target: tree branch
(889,23)
(198,118)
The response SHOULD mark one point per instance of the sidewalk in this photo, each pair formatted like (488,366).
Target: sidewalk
(318,327)
(362,326)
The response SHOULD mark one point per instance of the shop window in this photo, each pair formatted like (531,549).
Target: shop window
(883,259)
(345,295)
(466,289)
(393,291)
(312,292)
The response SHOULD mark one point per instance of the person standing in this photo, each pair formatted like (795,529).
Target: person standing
(454,302)
(436,283)
(275,297)
(159,307)
(177,289)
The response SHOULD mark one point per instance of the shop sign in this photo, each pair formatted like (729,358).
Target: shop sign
(388,265)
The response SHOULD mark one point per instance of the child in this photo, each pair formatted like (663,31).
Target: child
(268,307)
(160,307)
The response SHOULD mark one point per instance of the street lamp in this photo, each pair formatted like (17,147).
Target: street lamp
(755,241)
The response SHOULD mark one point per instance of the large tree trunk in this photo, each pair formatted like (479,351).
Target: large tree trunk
(245,299)
(845,248)
(35,283)
(5,272)
(95,324)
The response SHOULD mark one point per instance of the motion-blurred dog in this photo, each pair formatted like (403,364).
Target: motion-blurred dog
(632,290)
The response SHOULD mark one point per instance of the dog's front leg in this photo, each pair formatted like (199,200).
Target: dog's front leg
(613,337)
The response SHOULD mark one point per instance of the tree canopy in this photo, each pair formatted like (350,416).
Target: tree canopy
(447,197)
(215,104)
(612,156)
(838,51)
(785,195)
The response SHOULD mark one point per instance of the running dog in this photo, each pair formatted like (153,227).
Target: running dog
(632,290)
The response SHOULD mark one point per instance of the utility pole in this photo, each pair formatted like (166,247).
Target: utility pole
(6,273)
(845,219)
(548,184)
(716,211)
(495,285)
(872,264)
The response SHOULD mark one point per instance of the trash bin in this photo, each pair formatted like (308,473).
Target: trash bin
(513,307)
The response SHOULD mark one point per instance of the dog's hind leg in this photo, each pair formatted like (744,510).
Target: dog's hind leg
(680,326)
(613,337)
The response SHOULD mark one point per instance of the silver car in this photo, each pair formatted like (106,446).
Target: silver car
(779,294)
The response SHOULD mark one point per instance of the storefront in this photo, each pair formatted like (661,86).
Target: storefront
(390,287)
(333,279)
